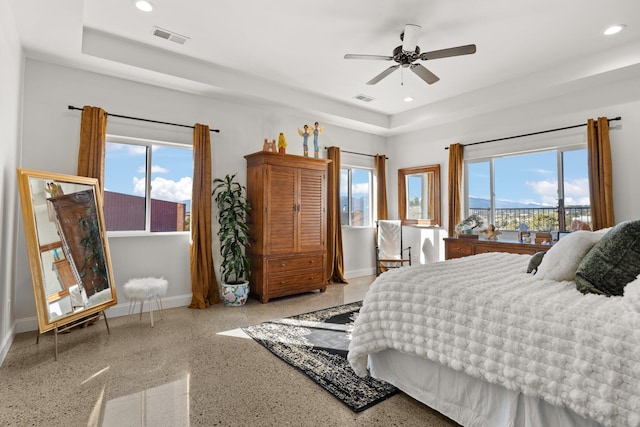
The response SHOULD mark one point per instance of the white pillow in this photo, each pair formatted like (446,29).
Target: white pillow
(632,294)
(561,261)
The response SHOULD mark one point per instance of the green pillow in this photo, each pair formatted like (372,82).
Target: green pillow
(613,262)
(535,261)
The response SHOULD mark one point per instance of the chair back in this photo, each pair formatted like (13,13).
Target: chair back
(389,239)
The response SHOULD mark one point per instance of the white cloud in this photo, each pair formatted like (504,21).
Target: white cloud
(165,189)
(158,169)
(576,192)
(547,190)
(360,188)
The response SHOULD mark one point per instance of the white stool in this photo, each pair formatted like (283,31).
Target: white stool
(148,288)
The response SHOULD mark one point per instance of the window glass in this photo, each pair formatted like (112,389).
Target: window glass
(132,205)
(575,188)
(526,191)
(356,197)
(361,187)
(479,189)
(545,190)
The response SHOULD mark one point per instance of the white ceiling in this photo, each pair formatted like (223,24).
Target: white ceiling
(289,53)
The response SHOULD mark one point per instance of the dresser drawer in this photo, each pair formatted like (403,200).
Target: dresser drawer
(306,262)
(459,249)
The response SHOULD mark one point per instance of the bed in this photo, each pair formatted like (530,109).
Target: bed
(487,344)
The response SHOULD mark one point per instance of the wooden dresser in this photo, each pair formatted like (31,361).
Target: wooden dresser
(455,247)
(288,196)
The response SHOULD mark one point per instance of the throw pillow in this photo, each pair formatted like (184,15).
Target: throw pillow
(561,261)
(535,261)
(613,262)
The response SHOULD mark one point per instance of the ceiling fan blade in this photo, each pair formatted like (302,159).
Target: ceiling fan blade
(383,74)
(452,51)
(410,37)
(424,74)
(356,56)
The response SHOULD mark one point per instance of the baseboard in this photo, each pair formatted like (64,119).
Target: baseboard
(27,324)
(360,273)
(7,340)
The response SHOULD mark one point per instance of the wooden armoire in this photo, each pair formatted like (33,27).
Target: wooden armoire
(288,219)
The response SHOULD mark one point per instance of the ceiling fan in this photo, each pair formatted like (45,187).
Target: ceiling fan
(409,52)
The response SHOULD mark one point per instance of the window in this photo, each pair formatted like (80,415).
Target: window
(147,185)
(545,190)
(419,195)
(356,196)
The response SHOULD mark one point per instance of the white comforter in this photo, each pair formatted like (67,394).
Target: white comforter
(485,316)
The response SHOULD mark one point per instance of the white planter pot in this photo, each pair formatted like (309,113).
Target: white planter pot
(235,295)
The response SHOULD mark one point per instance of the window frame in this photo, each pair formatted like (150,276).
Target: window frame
(148,143)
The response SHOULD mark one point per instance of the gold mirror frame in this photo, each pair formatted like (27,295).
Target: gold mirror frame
(432,174)
(87,278)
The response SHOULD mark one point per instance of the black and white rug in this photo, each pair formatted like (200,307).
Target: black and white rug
(317,344)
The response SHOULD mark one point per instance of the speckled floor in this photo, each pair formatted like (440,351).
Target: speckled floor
(183,372)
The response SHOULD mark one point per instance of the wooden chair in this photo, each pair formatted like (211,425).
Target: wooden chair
(389,249)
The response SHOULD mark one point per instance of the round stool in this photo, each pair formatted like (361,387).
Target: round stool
(146,289)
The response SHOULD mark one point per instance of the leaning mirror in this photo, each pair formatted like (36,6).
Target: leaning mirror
(67,246)
(419,195)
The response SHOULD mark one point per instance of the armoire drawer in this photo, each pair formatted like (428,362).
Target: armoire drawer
(289,281)
(305,262)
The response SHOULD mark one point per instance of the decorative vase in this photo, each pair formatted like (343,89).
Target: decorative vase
(235,295)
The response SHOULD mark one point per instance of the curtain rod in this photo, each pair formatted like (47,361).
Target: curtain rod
(71,107)
(358,154)
(532,133)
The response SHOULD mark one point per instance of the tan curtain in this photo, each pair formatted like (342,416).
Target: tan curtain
(456,155)
(600,173)
(93,136)
(204,286)
(335,257)
(381,172)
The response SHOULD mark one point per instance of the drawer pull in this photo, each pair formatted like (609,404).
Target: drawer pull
(312,261)
(457,248)
(283,282)
(283,265)
(311,278)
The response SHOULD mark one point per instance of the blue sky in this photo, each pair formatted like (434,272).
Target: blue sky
(171,171)
(533,178)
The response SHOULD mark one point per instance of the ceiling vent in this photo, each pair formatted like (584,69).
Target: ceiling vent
(169,35)
(364,98)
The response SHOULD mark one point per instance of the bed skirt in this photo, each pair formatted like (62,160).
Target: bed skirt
(468,401)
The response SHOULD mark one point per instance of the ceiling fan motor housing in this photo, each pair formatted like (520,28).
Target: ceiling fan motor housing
(405,58)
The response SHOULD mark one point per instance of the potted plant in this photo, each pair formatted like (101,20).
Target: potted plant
(233,206)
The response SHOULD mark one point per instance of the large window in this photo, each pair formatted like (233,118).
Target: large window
(356,196)
(147,185)
(544,190)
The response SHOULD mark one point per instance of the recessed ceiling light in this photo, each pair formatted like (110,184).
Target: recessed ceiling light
(144,5)
(614,29)
(408,99)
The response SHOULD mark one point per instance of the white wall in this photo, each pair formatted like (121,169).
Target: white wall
(50,142)
(51,139)
(10,112)
(427,146)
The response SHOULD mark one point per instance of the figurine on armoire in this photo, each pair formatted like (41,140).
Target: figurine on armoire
(317,130)
(305,137)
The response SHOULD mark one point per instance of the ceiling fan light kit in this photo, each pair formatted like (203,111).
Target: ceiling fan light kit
(409,52)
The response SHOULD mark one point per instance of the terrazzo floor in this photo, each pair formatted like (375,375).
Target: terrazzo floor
(191,369)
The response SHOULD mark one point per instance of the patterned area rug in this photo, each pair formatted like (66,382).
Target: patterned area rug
(317,344)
